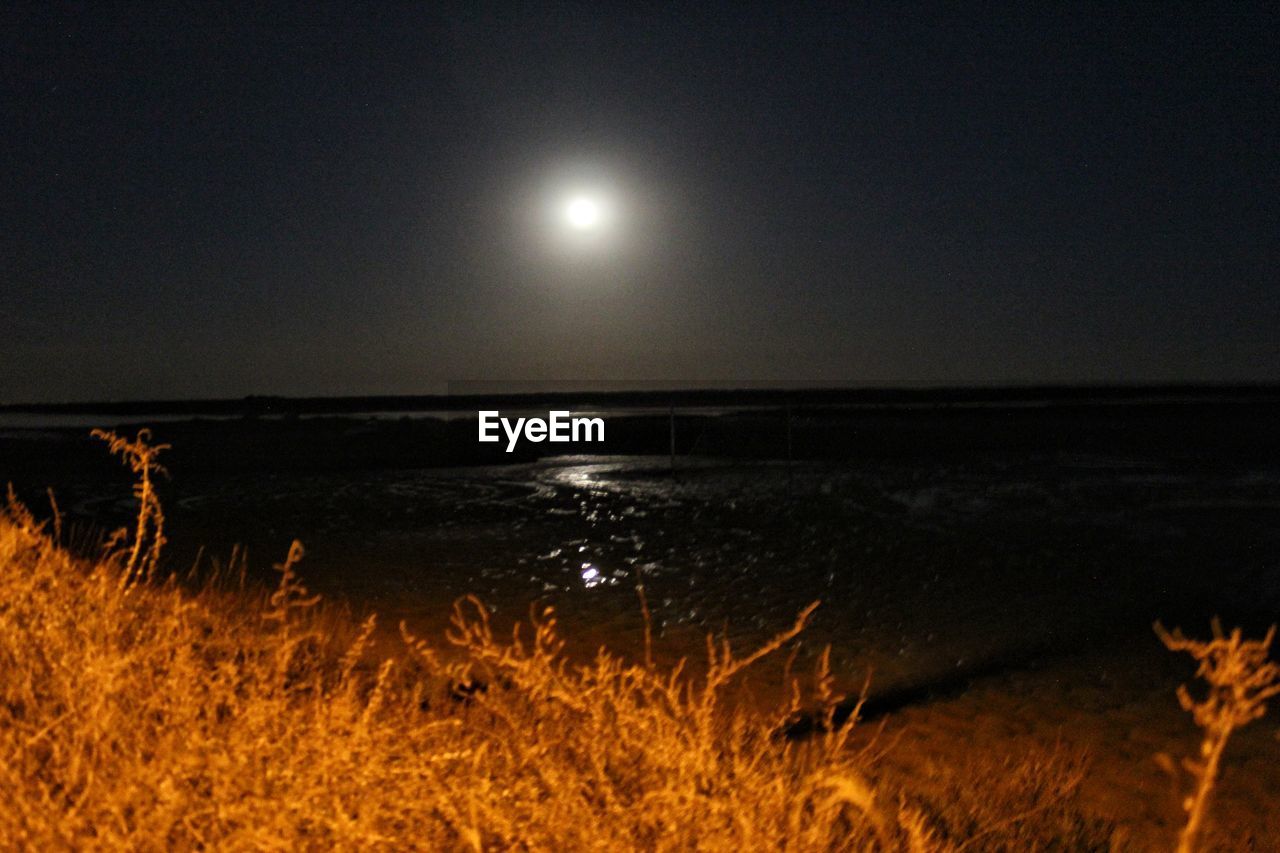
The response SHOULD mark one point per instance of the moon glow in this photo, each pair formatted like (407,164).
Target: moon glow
(583,213)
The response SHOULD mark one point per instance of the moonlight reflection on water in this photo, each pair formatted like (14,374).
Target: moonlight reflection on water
(916,568)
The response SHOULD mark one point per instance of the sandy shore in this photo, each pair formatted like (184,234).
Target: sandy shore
(1118,706)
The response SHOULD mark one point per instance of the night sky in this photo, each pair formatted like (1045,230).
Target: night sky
(330,199)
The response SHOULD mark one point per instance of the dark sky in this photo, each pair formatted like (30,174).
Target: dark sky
(330,199)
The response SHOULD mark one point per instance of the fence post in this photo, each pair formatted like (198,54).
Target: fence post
(788,410)
(673,437)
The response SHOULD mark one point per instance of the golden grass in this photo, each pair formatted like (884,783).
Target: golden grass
(141,715)
(1240,679)
(146,716)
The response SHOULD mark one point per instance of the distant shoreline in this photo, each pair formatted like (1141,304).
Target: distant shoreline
(1036,395)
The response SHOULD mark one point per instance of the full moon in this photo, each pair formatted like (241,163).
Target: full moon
(583,213)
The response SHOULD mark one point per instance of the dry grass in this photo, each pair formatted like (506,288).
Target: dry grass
(1240,680)
(142,715)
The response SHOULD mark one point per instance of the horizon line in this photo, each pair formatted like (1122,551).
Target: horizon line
(685,393)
